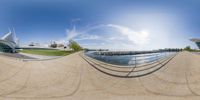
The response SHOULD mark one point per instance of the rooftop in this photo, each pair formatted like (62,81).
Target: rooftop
(195,39)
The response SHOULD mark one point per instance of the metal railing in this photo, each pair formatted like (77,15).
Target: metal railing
(141,65)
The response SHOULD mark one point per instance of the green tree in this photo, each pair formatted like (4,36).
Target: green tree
(187,48)
(74,45)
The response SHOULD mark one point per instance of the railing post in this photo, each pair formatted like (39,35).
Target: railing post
(135,62)
(156,57)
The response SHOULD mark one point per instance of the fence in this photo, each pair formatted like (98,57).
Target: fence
(140,65)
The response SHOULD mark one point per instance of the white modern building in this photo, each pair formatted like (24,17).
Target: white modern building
(197,41)
(9,42)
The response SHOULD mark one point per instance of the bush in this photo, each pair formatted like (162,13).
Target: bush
(74,45)
(187,48)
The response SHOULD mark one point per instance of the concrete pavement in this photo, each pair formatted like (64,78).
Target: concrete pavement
(72,78)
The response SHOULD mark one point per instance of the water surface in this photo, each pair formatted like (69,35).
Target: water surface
(129,59)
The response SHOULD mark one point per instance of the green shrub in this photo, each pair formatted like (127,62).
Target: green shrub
(74,45)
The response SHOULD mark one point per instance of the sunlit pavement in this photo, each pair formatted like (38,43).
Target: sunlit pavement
(72,78)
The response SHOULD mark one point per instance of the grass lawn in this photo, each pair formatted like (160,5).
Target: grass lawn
(48,52)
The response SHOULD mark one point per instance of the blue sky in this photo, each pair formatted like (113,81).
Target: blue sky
(112,24)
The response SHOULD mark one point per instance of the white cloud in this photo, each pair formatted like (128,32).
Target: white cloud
(61,41)
(138,38)
(75,20)
(116,37)
(71,33)
(88,37)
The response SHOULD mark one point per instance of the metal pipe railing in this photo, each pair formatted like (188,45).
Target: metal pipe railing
(123,71)
(159,60)
(139,59)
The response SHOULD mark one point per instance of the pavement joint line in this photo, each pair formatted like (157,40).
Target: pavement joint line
(23,66)
(70,94)
(158,93)
(108,85)
(20,89)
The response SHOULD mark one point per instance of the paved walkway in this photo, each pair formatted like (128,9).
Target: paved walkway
(72,78)
(38,57)
(17,55)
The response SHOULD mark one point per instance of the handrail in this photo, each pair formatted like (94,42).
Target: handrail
(141,55)
(145,61)
(138,55)
(153,70)
(126,71)
(148,58)
(150,62)
(153,56)
(138,65)
(115,75)
(159,62)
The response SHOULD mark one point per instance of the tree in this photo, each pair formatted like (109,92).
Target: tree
(187,48)
(74,45)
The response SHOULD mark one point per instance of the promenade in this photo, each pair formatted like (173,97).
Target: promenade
(73,78)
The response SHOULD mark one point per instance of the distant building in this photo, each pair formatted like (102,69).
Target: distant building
(53,45)
(9,42)
(60,45)
(197,41)
(32,44)
(57,45)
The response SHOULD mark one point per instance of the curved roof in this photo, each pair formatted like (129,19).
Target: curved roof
(10,44)
(10,40)
(195,40)
(9,37)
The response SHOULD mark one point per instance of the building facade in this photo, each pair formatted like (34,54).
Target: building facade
(196,41)
(8,43)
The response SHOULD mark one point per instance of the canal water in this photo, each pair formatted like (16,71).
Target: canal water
(126,60)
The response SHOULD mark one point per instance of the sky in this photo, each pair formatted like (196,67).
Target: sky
(105,24)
